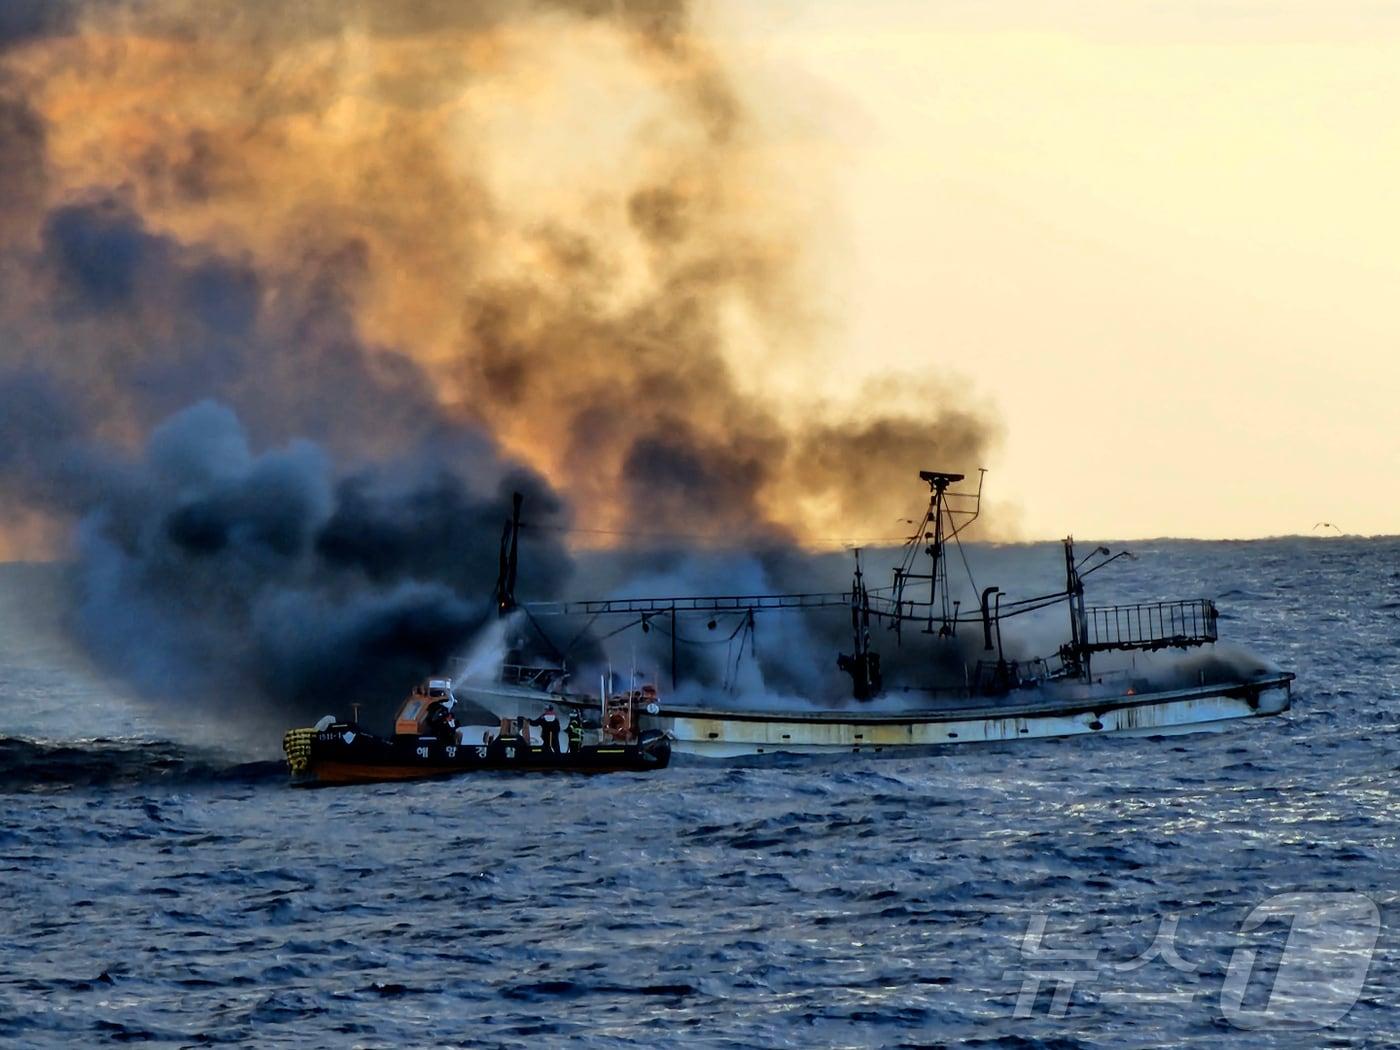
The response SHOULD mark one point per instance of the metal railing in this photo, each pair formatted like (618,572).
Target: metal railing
(1158,625)
(713,604)
(1001,676)
(531,675)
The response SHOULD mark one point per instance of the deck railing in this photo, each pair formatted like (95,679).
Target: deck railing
(1158,625)
(1000,676)
(709,604)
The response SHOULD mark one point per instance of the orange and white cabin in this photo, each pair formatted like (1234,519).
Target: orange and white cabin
(412,719)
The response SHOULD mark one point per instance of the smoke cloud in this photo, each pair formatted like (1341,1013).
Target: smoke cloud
(266,584)
(292,297)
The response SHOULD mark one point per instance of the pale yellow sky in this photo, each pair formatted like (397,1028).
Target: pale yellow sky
(1163,240)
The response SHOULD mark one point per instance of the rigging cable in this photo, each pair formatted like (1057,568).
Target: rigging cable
(966,567)
(540,631)
(581,632)
(714,537)
(699,641)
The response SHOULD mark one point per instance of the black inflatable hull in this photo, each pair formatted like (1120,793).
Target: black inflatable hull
(328,757)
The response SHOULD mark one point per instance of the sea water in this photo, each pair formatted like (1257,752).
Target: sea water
(1093,892)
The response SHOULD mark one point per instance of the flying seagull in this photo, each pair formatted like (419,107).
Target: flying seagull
(1327,525)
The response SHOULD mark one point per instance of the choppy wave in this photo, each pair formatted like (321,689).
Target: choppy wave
(32,765)
(153,891)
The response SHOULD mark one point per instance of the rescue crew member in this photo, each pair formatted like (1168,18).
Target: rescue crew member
(549,728)
(442,723)
(575,731)
(495,745)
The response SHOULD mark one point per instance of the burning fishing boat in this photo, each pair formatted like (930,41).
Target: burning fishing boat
(963,689)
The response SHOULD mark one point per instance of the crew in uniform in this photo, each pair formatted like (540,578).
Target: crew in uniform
(442,723)
(549,728)
(575,731)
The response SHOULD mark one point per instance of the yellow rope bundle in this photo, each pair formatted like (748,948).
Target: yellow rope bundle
(297,744)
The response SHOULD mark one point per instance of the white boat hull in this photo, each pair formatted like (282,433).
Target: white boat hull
(720,734)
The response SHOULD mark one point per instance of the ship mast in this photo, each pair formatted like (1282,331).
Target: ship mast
(937,527)
(863,665)
(938,483)
(1079,665)
(509,561)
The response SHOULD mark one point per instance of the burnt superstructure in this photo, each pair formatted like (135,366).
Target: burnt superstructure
(924,667)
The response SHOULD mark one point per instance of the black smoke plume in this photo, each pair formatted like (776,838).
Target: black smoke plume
(292,297)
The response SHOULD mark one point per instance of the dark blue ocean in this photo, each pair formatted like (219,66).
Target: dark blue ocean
(158,886)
